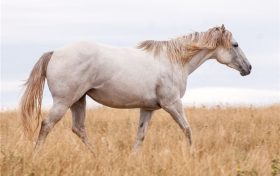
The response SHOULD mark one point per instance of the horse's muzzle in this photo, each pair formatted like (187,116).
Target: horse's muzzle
(246,72)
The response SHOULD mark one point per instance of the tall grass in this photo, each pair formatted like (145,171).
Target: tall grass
(227,141)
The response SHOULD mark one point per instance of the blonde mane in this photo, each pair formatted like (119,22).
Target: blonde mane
(183,48)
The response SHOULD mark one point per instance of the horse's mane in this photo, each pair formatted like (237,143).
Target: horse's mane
(182,49)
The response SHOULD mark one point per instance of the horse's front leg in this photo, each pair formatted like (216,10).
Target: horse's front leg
(145,117)
(176,111)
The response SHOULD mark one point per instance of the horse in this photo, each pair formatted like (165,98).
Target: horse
(151,76)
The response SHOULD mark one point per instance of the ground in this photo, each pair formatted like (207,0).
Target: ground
(226,141)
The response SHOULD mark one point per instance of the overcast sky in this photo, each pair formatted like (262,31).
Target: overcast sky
(31,27)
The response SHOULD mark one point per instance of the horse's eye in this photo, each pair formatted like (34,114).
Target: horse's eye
(235,45)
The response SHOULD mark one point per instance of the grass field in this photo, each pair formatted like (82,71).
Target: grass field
(227,141)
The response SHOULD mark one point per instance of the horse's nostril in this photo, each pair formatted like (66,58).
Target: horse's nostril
(250,67)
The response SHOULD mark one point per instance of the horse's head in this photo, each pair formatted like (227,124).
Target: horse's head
(230,54)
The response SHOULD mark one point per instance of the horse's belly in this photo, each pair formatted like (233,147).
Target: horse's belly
(123,99)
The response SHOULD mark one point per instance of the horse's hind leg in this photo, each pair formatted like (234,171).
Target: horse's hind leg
(78,115)
(55,114)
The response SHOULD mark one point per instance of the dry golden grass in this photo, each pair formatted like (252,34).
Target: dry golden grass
(227,141)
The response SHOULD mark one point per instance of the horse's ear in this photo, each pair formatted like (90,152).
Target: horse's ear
(223,28)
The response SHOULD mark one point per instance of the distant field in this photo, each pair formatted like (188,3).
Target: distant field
(227,141)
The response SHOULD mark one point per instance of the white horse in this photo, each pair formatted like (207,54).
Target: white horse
(149,77)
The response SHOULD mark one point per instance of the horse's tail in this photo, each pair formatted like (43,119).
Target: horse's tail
(30,106)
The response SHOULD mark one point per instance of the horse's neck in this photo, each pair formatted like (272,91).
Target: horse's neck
(197,60)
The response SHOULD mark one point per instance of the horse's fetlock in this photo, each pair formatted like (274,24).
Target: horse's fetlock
(74,130)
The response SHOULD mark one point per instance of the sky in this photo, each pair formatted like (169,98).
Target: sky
(32,27)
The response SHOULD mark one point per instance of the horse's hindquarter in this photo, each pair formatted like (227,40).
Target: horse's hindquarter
(116,77)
